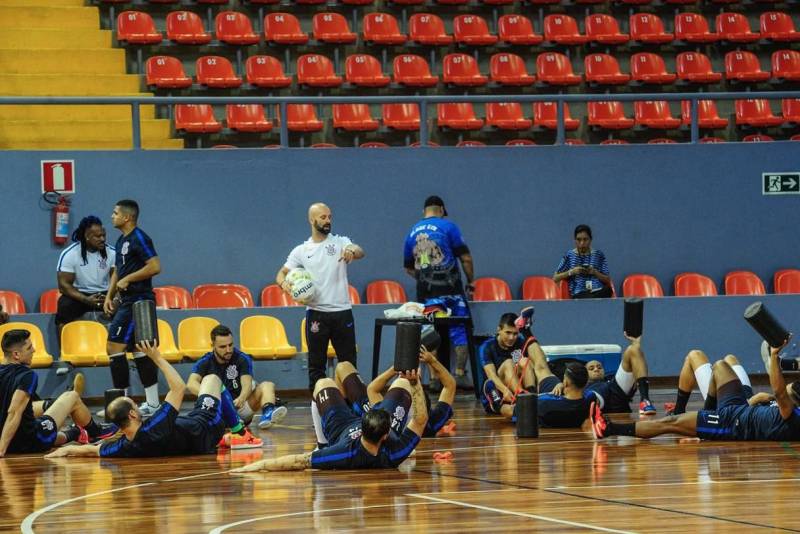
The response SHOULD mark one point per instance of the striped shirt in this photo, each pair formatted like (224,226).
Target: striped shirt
(580,282)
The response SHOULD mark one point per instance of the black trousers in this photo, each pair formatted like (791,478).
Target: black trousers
(337,328)
(604,293)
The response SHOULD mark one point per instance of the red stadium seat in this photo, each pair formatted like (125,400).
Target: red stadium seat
(707,114)
(735,27)
(779,27)
(373,144)
(247,118)
(635,2)
(417,144)
(48,301)
(608,115)
(795,137)
(506,116)
(458,117)
(694,285)
(556,69)
(786,65)
(332,28)
(693,28)
(743,66)
(166,72)
(462,70)
(712,140)
(756,113)
(266,72)
(563,30)
(472,30)
(273,295)
(173,298)
(470,143)
(354,118)
(604,29)
(185,27)
(509,69)
(382,29)
(403,117)
(614,142)
(138,28)
(647,67)
(743,283)
(603,69)
(520,142)
(385,292)
(648,28)
(539,288)
(787,281)
(695,67)
(413,70)
(222,296)
(517,30)
(642,286)
(302,118)
(574,142)
(235,28)
(408,2)
(324,145)
(790,108)
(363,70)
(283,28)
(216,71)
(545,115)
(757,138)
(354,297)
(196,118)
(655,114)
(491,289)
(427,29)
(662,141)
(315,70)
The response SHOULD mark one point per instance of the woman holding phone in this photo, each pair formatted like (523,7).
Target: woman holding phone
(585,268)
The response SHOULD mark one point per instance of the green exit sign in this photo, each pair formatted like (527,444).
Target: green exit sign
(781,183)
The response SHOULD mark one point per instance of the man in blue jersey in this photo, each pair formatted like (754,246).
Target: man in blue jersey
(734,419)
(432,250)
(356,442)
(617,390)
(505,363)
(135,266)
(585,268)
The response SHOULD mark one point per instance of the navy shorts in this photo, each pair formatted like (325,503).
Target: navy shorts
(720,424)
(339,421)
(397,403)
(547,385)
(204,423)
(122,326)
(44,438)
(615,400)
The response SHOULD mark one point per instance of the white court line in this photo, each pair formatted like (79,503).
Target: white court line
(222,528)
(519,514)
(196,476)
(27,524)
(696,483)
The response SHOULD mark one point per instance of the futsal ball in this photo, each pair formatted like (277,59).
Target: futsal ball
(302,285)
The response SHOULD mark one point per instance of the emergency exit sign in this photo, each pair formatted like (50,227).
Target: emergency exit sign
(781,183)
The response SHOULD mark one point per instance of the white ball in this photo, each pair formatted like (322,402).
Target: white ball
(303,289)
(297,274)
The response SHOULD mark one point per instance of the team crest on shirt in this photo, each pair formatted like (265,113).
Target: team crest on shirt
(103,263)
(47,425)
(330,249)
(125,247)
(314,327)
(397,417)
(354,433)
(208,403)
(231,372)
(516,355)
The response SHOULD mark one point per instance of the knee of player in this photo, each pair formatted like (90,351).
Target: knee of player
(211,380)
(731,360)
(696,357)
(401,383)
(720,365)
(323,383)
(71,396)
(343,369)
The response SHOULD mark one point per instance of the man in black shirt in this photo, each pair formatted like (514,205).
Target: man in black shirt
(131,280)
(21,430)
(505,364)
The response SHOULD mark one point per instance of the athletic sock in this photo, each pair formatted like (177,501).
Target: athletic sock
(644,388)
(789,364)
(72,433)
(151,394)
(711,403)
(681,401)
(321,439)
(229,413)
(148,374)
(120,373)
(621,429)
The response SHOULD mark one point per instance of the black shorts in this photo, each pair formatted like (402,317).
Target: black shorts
(44,437)
(615,400)
(122,325)
(397,404)
(547,385)
(337,418)
(440,414)
(720,424)
(204,423)
(69,309)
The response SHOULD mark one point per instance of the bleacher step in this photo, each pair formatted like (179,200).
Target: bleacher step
(90,144)
(88,61)
(70,85)
(20,17)
(58,39)
(42,3)
(54,131)
(72,113)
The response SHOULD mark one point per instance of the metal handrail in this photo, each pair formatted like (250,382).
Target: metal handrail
(423,100)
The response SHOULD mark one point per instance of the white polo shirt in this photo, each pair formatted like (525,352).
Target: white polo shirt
(321,260)
(91,276)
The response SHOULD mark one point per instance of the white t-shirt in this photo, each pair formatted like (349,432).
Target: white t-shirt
(92,276)
(321,260)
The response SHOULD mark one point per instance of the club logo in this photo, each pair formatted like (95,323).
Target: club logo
(516,355)
(354,433)
(231,372)
(314,327)
(103,264)
(47,425)
(330,250)
(208,403)
(125,248)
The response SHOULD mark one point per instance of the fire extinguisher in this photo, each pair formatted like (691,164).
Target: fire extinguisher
(61,221)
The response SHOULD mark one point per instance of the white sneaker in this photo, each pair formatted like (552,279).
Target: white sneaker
(146,410)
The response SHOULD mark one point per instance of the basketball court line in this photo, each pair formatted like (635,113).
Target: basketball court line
(695,483)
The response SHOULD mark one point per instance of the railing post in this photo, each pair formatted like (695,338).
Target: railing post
(136,127)
(560,122)
(695,124)
(284,126)
(423,123)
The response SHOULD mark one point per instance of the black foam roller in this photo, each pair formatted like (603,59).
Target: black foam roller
(634,316)
(109,396)
(144,317)
(527,415)
(766,324)
(430,338)
(406,346)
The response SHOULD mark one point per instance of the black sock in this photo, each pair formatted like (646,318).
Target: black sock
(682,401)
(267,405)
(711,403)
(621,429)
(789,364)
(91,428)
(644,388)
(72,433)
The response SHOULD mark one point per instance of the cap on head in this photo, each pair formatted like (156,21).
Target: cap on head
(435,200)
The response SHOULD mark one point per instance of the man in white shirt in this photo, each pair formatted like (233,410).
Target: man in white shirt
(83,272)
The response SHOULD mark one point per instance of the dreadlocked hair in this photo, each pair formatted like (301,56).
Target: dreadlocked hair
(79,235)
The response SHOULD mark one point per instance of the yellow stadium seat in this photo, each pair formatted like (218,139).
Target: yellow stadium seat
(304,345)
(194,336)
(41,358)
(166,342)
(264,337)
(83,343)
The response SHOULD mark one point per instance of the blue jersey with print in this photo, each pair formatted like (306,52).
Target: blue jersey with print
(349,453)
(133,251)
(748,423)
(432,249)
(556,411)
(490,351)
(579,283)
(230,372)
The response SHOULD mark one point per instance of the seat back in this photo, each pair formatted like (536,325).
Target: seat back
(776,22)
(645,63)
(281,24)
(231,24)
(379,25)
(302,117)
(740,62)
(732,23)
(470,26)
(351,113)
(644,110)
(491,289)
(184,23)
(244,114)
(385,292)
(560,26)
(459,65)
(173,298)
(605,110)
(645,24)
(790,108)
(599,65)
(690,24)
(263,67)
(355,298)
(694,285)
(743,283)
(753,109)
(401,116)
(553,64)
(600,24)
(314,66)
(410,65)
(131,24)
(166,342)
(12,302)
(451,112)
(263,335)
(642,286)
(328,23)
(422,25)
(548,111)
(787,281)
(692,63)
(785,61)
(194,336)
(48,301)
(41,358)
(158,68)
(213,67)
(505,64)
(273,295)
(503,111)
(83,342)
(706,111)
(222,296)
(539,288)
(188,114)
(514,25)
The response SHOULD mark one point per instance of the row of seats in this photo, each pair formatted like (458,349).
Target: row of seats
(608,115)
(448,2)
(461,70)
(234,28)
(391,292)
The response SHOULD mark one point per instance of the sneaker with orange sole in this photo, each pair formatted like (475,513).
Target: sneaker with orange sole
(238,442)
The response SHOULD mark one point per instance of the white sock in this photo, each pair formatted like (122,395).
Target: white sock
(317,424)
(742,374)
(151,394)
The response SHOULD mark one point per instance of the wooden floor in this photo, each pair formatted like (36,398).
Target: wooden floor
(561,482)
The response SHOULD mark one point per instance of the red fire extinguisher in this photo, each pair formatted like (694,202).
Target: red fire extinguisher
(61,221)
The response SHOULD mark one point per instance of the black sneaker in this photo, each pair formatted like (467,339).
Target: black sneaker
(493,395)
(106,430)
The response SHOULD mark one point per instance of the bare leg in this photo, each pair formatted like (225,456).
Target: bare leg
(70,404)
(210,385)
(633,360)
(343,370)
(507,375)
(684,424)
(263,394)
(539,361)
